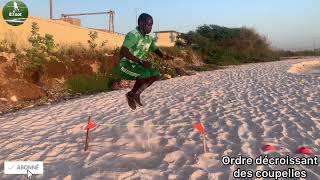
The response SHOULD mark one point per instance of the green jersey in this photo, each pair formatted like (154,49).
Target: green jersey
(139,45)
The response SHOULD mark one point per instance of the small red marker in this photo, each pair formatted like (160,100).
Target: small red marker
(202,131)
(91,125)
(269,147)
(200,128)
(304,150)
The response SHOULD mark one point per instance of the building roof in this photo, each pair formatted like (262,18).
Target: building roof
(165,31)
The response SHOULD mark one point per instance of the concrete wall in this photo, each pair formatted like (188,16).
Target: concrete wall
(63,33)
(74,21)
(163,39)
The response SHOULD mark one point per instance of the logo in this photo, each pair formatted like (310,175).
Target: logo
(15,12)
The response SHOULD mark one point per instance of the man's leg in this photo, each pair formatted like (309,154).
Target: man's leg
(143,87)
(147,77)
(138,84)
(149,82)
(131,95)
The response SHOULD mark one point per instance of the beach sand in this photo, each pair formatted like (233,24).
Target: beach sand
(242,108)
(308,67)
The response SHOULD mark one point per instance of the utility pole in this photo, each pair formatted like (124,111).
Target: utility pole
(314,45)
(136,12)
(51,17)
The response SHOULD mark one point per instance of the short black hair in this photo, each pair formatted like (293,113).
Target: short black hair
(143,17)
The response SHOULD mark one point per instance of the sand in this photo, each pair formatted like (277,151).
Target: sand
(309,67)
(242,108)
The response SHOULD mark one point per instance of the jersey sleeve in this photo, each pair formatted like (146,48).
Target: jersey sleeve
(153,46)
(130,40)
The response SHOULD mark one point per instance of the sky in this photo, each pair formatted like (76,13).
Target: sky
(287,24)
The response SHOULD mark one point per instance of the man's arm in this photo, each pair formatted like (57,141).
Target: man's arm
(124,52)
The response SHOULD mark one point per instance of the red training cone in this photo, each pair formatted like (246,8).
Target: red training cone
(200,128)
(269,147)
(304,150)
(91,125)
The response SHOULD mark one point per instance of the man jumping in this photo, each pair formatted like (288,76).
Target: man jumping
(133,65)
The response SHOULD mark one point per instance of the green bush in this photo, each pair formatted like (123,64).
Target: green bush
(37,60)
(41,51)
(92,41)
(283,53)
(79,51)
(93,35)
(41,44)
(163,66)
(173,51)
(225,46)
(6,46)
(88,84)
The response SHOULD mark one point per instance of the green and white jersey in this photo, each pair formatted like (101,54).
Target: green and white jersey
(139,45)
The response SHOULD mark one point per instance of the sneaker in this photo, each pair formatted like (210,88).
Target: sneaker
(137,99)
(131,101)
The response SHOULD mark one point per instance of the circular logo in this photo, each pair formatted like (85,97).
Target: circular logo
(15,12)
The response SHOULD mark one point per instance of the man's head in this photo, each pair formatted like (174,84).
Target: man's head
(145,23)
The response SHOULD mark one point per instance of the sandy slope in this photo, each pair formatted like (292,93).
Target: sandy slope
(242,107)
(308,67)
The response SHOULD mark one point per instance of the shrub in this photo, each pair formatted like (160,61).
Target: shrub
(173,51)
(6,46)
(287,53)
(93,35)
(87,84)
(41,50)
(224,46)
(92,41)
(163,66)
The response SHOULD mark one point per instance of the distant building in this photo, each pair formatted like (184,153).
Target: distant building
(166,38)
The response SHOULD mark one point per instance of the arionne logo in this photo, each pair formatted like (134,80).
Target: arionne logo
(15,12)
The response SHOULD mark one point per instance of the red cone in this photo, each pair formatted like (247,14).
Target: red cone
(200,128)
(91,125)
(304,150)
(269,147)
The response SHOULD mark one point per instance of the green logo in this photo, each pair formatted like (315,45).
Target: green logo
(15,12)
